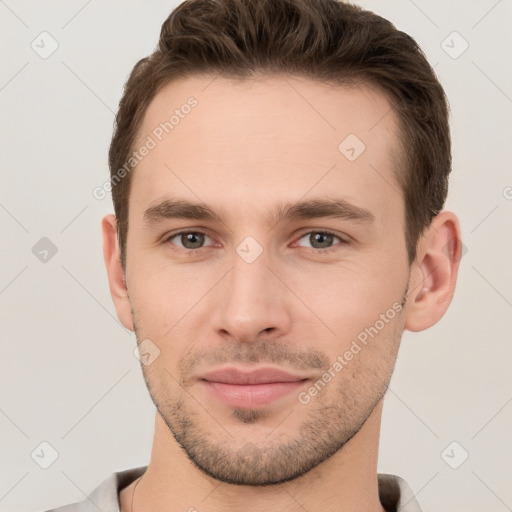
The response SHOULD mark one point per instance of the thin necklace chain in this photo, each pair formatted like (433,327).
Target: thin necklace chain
(134,489)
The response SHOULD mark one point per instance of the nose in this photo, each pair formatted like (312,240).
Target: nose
(251,303)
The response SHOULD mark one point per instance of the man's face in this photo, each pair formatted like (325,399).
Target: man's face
(256,284)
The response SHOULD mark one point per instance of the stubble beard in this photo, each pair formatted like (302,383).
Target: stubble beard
(325,425)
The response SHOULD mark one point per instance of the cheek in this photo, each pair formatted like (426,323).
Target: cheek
(156,282)
(367,356)
(166,297)
(353,296)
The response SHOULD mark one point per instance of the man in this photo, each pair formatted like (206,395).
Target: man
(278,172)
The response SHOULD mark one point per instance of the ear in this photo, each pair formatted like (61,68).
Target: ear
(115,272)
(434,272)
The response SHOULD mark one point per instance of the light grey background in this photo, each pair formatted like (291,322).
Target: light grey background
(68,374)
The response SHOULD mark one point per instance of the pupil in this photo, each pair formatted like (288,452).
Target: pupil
(192,240)
(320,240)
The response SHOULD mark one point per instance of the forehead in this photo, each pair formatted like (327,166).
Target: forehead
(267,137)
(269,102)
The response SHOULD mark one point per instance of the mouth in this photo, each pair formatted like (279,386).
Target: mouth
(250,389)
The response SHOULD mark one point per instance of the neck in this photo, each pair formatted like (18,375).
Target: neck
(346,482)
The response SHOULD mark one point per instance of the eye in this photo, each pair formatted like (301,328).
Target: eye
(321,240)
(189,239)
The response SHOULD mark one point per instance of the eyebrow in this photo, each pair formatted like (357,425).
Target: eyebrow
(302,210)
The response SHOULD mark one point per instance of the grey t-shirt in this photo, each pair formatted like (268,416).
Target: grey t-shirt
(395,495)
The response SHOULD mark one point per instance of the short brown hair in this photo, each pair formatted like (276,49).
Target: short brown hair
(325,40)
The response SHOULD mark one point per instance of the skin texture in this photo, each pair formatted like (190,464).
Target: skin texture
(245,149)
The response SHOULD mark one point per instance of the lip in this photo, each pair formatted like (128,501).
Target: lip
(266,375)
(250,389)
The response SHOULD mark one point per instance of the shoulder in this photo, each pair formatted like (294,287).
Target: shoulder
(105,496)
(395,494)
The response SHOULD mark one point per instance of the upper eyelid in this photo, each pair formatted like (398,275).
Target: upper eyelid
(297,237)
(170,236)
(323,231)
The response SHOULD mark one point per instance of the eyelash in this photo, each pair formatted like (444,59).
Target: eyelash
(317,250)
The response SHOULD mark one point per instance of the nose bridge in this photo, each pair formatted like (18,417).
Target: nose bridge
(249,301)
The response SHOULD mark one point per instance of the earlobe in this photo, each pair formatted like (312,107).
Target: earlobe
(115,271)
(434,273)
